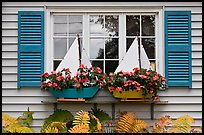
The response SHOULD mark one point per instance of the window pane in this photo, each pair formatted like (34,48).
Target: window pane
(148,25)
(60,25)
(97,64)
(111,47)
(153,65)
(56,64)
(97,25)
(132,25)
(129,42)
(71,40)
(75,25)
(110,66)
(97,48)
(111,25)
(149,46)
(60,48)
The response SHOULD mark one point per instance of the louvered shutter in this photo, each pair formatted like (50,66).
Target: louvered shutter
(178,48)
(30,47)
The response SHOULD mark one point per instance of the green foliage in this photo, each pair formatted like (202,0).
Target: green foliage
(3,130)
(182,125)
(18,125)
(59,115)
(85,122)
(26,118)
(100,114)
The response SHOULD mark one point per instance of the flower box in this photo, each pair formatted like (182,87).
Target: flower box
(85,92)
(130,94)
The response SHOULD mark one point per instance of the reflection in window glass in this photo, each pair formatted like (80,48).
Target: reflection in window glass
(111,25)
(60,48)
(60,25)
(97,64)
(96,25)
(153,65)
(111,48)
(75,25)
(148,25)
(97,48)
(129,42)
(110,66)
(149,46)
(56,64)
(133,25)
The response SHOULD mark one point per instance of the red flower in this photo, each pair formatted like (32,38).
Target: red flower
(55,84)
(58,78)
(138,89)
(78,85)
(98,70)
(84,80)
(49,84)
(101,84)
(111,88)
(59,88)
(156,97)
(82,66)
(75,79)
(53,72)
(118,89)
(83,73)
(67,70)
(148,73)
(135,69)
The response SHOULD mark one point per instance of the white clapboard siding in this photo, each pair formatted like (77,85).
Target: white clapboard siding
(181,100)
(9,70)
(197,32)
(197,47)
(10,32)
(9,48)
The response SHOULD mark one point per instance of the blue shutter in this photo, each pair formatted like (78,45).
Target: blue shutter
(30,47)
(178,48)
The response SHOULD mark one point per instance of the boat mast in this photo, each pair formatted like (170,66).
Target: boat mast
(139,53)
(79,49)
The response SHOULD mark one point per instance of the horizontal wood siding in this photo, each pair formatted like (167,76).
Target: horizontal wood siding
(182,100)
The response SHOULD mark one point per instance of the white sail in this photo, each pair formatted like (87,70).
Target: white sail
(144,59)
(131,59)
(85,59)
(71,59)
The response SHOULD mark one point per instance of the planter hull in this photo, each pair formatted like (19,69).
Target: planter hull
(130,94)
(88,92)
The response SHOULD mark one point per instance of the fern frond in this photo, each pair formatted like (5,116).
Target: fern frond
(58,116)
(182,125)
(16,128)
(161,124)
(8,120)
(98,124)
(54,127)
(125,122)
(139,126)
(81,118)
(82,128)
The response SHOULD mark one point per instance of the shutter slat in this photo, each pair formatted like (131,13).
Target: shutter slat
(178,48)
(31,47)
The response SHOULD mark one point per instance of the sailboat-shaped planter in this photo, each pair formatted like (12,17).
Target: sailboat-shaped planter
(72,60)
(135,57)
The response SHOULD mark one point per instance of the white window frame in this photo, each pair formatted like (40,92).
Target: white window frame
(159,30)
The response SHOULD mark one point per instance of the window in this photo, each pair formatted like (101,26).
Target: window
(104,41)
(106,37)
(65,29)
